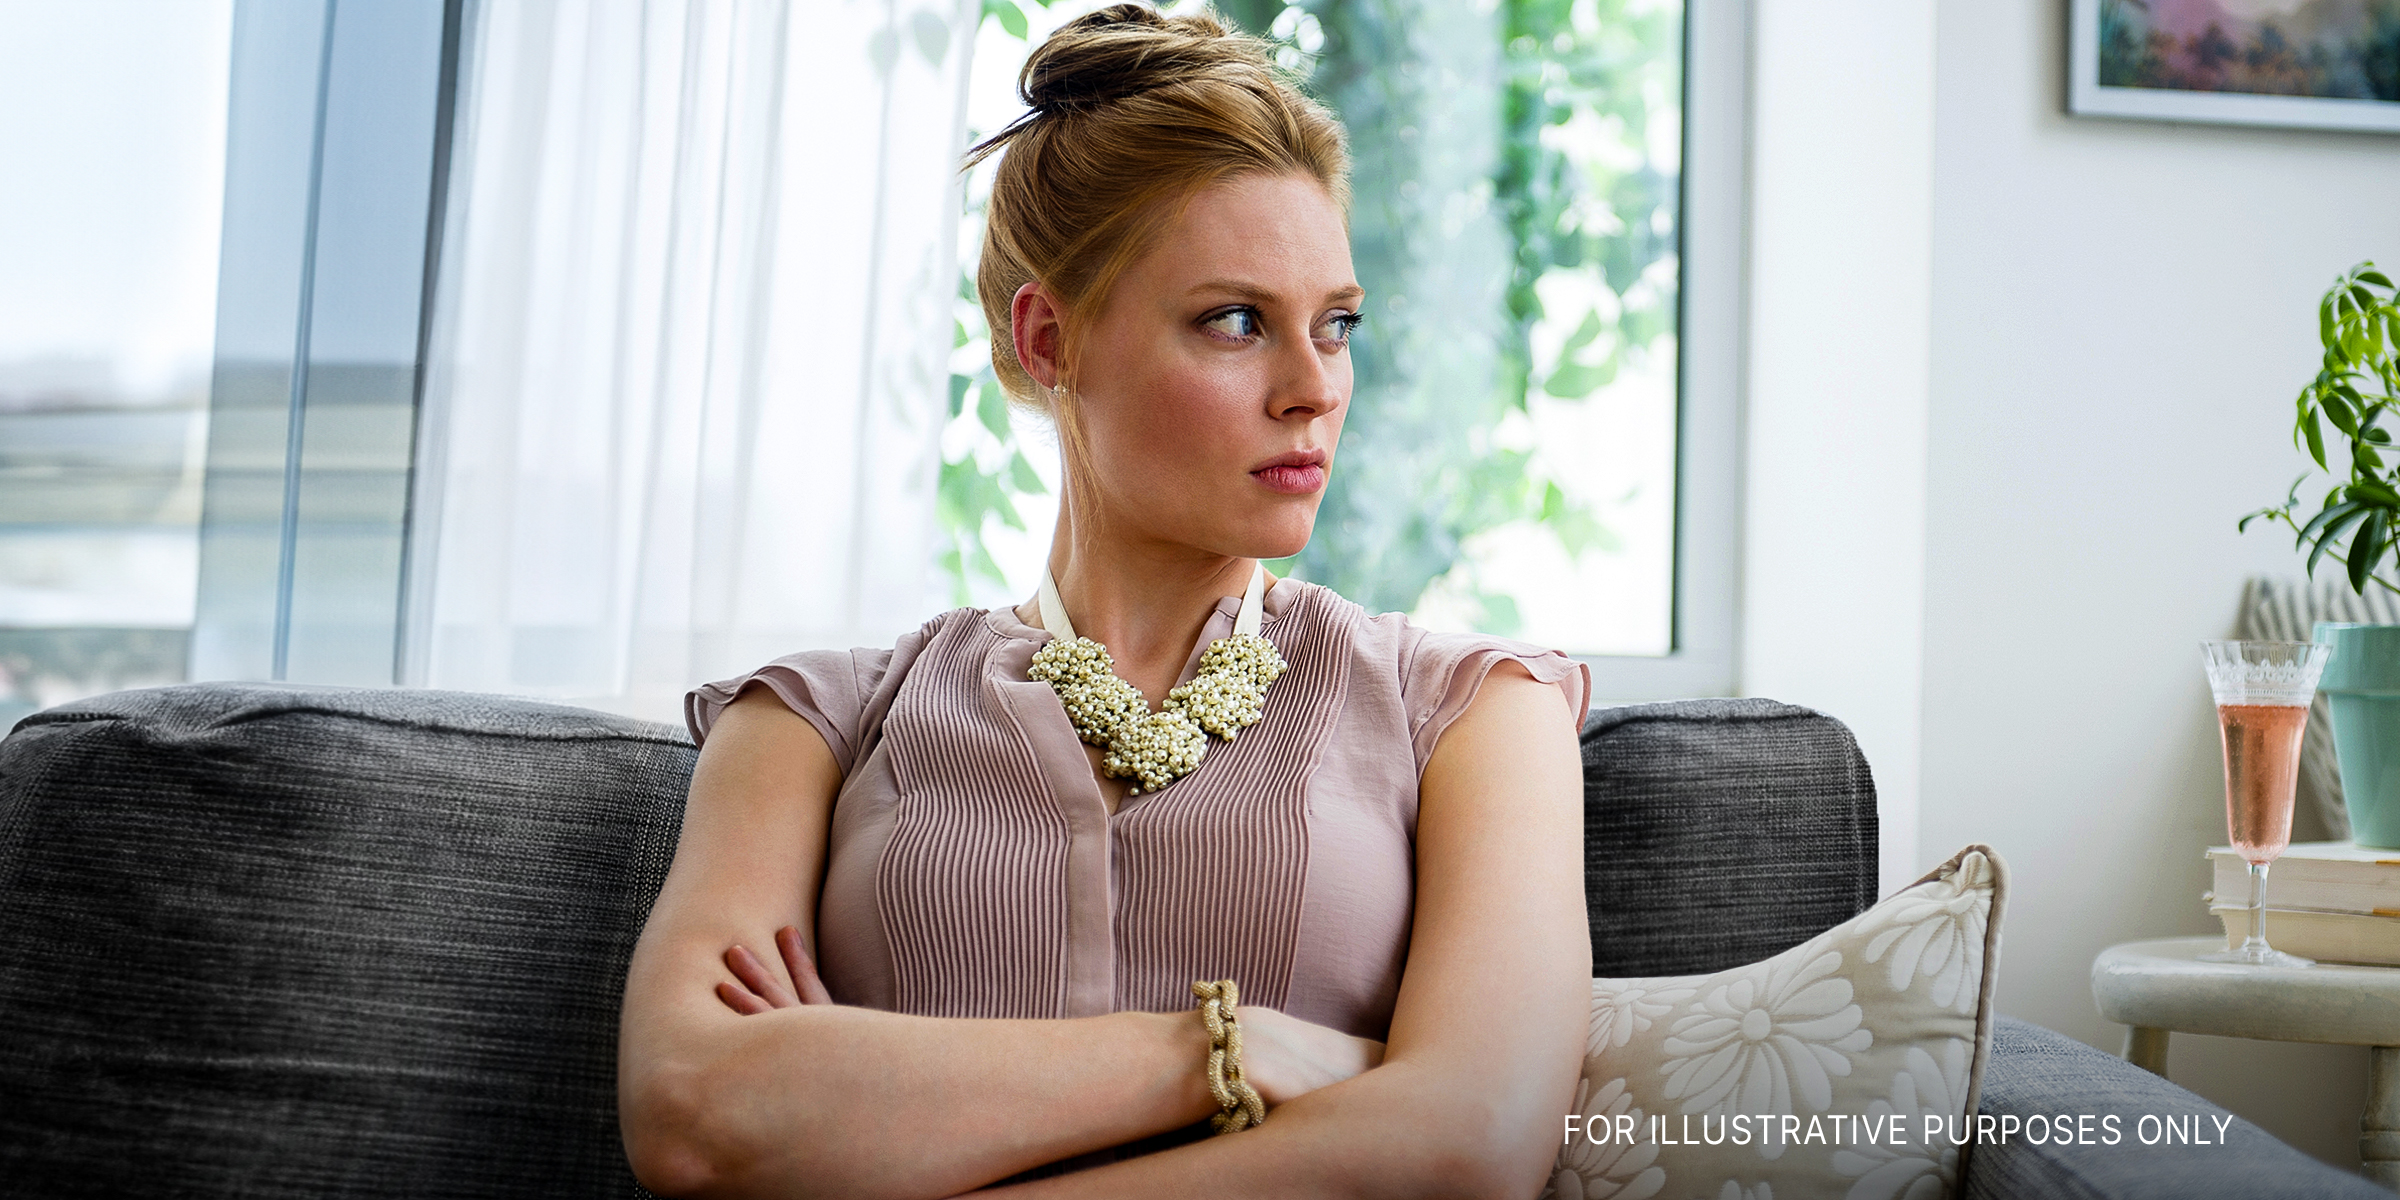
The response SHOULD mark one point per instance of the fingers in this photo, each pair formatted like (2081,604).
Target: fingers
(762,989)
(803,969)
(755,976)
(742,1001)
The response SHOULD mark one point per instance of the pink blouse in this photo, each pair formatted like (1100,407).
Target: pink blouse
(975,871)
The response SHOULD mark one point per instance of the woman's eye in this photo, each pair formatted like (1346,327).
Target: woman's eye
(1233,323)
(1338,328)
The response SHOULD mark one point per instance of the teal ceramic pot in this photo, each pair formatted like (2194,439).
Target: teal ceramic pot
(2362,687)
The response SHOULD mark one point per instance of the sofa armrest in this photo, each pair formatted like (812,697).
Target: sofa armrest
(1720,832)
(2034,1071)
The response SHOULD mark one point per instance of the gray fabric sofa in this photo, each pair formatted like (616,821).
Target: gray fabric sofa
(284,942)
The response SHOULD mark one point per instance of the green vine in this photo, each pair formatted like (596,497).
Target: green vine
(2356,387)
(981,482)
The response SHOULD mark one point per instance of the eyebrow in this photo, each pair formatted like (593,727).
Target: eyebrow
(1349,294)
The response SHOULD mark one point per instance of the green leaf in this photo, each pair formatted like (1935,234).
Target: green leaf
(2321,524)
(958,392)
(954,497)
(992,409)
(983,564)
(2376,493)
(2364,548)
(2331,512)
(2325,333)
(2374,277)
(1574,381)
(1006,12)
(1583,335)
(2340,412)
(2316,439)
(2333,530)
(1500,614)
(1021,476)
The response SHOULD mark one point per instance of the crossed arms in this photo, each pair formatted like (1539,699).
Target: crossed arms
(734,1078)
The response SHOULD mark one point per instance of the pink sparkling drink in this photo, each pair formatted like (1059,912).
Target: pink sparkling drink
(2262,771)
(2262,691)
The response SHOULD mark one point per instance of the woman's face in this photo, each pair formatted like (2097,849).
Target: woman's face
(1221,359)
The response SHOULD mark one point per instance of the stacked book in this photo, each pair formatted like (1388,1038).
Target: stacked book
(2332,901)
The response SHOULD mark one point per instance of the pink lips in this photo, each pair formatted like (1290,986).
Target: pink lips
(1295,474)
(1296,481)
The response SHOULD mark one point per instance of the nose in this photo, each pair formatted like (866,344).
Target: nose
(1308,382)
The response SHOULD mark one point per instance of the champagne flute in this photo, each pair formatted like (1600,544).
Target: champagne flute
(2262,691)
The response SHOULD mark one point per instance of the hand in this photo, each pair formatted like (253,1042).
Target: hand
(1285,1057)
(762,989)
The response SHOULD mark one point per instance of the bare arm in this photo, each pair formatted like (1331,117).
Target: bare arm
(1488,1033)
(832,1100)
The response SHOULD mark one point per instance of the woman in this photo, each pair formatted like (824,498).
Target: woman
(986,935)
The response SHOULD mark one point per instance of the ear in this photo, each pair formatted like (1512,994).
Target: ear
(1034,324)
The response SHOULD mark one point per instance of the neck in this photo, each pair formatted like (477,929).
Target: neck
(1145,601)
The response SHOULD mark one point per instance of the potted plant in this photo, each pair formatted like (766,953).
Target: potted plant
(2345,423)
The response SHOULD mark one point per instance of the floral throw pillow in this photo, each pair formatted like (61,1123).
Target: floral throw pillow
(1847,1066)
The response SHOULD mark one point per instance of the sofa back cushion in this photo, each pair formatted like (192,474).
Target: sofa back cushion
(288,942)
(1720,832)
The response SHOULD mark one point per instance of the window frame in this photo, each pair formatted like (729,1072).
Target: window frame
(1710,330)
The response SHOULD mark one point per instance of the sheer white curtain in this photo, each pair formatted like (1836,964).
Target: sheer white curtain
(691,347)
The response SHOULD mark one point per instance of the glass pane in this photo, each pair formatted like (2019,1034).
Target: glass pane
(112,129)
(1508,465)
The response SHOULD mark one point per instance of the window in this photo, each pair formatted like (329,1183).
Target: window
(112,132)
(527,418)
(1520,455)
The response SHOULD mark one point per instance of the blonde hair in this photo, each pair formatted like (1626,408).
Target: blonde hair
(1134,112)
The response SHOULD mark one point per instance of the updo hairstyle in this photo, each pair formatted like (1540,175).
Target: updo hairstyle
(1133,113)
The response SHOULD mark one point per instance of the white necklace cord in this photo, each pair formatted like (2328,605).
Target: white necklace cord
(1252,614)
(1254,602)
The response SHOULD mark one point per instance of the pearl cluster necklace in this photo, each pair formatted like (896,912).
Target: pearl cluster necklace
(1155,749)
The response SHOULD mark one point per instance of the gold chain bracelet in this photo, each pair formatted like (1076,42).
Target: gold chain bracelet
(1238,1104)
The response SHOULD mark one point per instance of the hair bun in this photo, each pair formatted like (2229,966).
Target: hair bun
(1127,49)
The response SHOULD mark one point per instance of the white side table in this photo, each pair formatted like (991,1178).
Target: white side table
(2161,987)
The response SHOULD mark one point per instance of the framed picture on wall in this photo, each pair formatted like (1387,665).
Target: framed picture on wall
(2303,64)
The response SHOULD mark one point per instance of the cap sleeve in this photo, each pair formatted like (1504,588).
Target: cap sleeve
(827,687)
(1443,672)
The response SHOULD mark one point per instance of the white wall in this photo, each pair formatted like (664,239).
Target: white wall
(1834,419)
(2121,313)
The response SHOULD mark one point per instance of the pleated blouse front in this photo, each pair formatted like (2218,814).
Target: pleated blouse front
(974,869)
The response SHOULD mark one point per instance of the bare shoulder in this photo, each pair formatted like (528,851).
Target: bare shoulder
(766,781)
(758,721)
(1513,722)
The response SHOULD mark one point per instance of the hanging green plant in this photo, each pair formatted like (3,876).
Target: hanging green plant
(2355,389)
